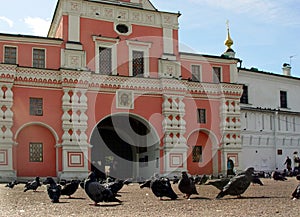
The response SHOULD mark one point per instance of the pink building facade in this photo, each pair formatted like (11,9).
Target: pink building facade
(108,89)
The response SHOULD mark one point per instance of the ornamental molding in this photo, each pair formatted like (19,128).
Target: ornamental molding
(118,13)
(37,77)
(7,73)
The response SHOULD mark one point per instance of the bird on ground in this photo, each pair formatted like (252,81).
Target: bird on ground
(276,175)
(81,184)
(256,180)
(175,179)
(11,184)
(127,181)
(97,192)
(218,183)
(296,192)
(161,187)
(70,188)
(32,185)
(186,185)
(53,189)
(238,184)
(146,184)
(114,186)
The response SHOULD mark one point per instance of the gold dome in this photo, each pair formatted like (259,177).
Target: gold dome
(228,42)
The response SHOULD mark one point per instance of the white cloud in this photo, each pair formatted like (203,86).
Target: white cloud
(38,25)
(267,11)
(8,21)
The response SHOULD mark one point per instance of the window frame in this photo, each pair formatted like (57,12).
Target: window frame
(197,78)
(139,46)
(44,57)
(106,42)
(197,157)
(200,119)
(220,80)
(283,102)
(39,150)
(245,95)
(4,52)
(104,72)
(136,62)
(34,108)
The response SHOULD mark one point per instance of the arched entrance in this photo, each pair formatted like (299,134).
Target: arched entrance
(124,146)
(35,152)
(200,153)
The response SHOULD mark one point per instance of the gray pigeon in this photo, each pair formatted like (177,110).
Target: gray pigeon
(97,192)
(32,185)
(237,185)
(186,185)
(218,183)
(11,184)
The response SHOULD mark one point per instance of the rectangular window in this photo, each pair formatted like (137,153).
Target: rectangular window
(196,73)
(217,75)
(10,55)
(137,63)
(105,61)
(38,58)
(201,116)
(36,106)
(35,152)
(197,154)
(283,99)
(244,97)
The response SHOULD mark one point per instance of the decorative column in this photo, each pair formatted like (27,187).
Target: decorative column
(230,127)
(7,172)
(174,127)
(74,124)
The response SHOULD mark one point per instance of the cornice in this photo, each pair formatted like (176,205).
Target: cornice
(67,78)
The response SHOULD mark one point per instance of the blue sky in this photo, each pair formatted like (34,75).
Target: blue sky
(266,33)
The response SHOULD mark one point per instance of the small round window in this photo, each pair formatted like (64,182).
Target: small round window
(122,28)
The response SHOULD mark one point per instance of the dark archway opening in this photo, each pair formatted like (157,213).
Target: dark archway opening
(121,146)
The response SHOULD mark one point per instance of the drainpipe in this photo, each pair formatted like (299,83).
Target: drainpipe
(275,136)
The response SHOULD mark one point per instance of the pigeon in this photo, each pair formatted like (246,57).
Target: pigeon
(70,188)
(127,181)
(296,193)
(256,180)
(53,189)
(146,184)
(161,187)
(186,185)
(114,186)
(11,184)
(97,192)
(218,183)
(32,185)
(276,175)
(237,185)
(175,179)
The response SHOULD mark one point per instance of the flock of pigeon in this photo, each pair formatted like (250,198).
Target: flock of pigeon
(107,190)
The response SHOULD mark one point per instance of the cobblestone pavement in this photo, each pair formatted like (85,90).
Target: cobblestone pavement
(272,199)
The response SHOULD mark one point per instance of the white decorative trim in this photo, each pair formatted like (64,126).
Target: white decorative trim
(107,43)
(74,28)
(139,46)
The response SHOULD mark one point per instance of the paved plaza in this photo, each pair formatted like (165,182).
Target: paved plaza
(272,199)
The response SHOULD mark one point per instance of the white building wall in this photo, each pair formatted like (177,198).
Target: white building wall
(269,133)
